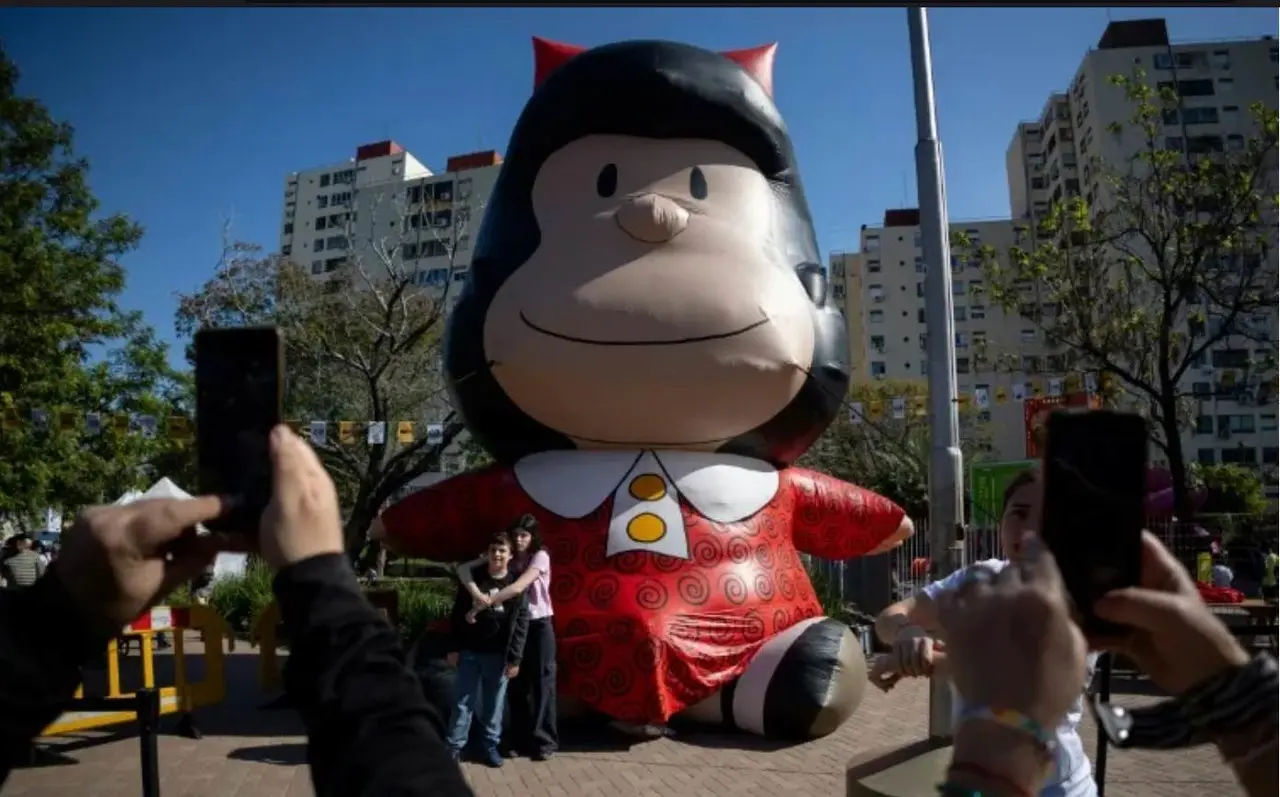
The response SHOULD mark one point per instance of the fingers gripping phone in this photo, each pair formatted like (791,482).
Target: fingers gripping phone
(1095,470)
(239,400)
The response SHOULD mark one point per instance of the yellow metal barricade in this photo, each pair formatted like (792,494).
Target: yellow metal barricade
(181,698)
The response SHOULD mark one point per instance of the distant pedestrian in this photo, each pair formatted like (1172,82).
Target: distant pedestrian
(24,567)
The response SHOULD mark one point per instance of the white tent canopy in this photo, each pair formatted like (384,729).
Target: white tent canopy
(226,564)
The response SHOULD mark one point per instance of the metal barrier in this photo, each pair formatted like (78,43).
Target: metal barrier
(182,698)
(264,633)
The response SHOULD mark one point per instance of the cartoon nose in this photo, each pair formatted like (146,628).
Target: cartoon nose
(651,218)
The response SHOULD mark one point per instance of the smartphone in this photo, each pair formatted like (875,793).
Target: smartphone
(239,400)
(1095,471)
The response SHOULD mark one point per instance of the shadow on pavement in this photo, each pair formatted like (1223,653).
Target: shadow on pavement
(283,755)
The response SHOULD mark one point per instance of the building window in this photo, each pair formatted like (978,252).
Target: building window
(1243,455)
(464,243)
(920,289)
(962,365)
(837,291)
(962,340)
(344,177)
(1267,421)
(1235,142)
(873,266)
(977,312)
(320,220)
(958,313)
(1236,424)
(1206,456)
(336,242)
(876,316)
(1027,336)
(442,191)
(286,250)
(324,181)
(317,245)
(871,244)
(1230,358)
(877,368)
(1202,389)
(1204,424)
(444,219)
(924,366)
(334,263)
(924,341)
(1192,88)
(920,315)
(876,292)
(464,188)
(322,201)
(316,266)
(1031,364)
(957,288)
(288,228)
(877,343)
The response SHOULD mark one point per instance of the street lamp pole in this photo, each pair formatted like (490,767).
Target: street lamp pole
(946,490)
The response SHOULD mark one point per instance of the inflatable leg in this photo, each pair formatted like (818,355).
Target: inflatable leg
(803,684)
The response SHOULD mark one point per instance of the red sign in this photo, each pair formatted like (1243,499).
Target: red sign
(1035,411)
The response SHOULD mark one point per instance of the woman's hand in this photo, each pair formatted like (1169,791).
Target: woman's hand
(1175,638)
(1011,643)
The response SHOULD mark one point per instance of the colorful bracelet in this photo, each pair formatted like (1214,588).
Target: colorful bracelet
(1010,719)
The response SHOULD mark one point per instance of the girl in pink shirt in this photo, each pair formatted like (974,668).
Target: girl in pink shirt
(531,696)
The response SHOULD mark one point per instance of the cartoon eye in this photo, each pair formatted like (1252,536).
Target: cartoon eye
(607,181)
(697,184)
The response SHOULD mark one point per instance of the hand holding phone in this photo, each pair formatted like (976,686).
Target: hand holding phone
(1095,471)
(239,400)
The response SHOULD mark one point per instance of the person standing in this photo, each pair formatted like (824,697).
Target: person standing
(24,567)
(487,650)
(531,698)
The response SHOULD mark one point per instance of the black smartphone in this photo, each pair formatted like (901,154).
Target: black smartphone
(1095,471)
(239,400)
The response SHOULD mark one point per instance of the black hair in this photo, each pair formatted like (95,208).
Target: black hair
(501,538)
(1019,481)
(650,89)
(527,523)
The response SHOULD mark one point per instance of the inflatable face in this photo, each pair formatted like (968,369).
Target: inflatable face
(645,345)
(646,273)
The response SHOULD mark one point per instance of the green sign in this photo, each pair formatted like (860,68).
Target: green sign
(987,483)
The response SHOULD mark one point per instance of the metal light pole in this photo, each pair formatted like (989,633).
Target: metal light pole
(946,495)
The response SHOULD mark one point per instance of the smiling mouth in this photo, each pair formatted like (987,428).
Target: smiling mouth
(675,342)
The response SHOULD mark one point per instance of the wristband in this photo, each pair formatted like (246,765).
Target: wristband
(1230,702)
(1012,720)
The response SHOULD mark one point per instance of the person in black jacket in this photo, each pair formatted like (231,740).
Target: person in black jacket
(488,645)
(370,730)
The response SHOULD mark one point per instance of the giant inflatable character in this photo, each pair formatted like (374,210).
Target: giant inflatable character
(645,344)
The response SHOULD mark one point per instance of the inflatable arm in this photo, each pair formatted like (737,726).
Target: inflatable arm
(449,521)
(837,520)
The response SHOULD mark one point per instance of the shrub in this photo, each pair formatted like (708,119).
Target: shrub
(422,602)
(239,599)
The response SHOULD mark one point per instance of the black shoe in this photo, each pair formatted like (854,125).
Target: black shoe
(542,755)
(493,758)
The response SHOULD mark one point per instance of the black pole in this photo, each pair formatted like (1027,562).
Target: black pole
(148,733)
(1104,692)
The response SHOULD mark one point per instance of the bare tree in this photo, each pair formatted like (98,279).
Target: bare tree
(1166,268)
(363,333)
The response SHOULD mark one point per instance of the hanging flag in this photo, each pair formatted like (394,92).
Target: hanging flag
(1002,395)
(346,432)
(120,423)
(67,421)
(1019,391)
(1055,386)
(1106,381)
(93,423)
(981,398)
(147,425)
(855,412)
(1036,389)
(1091,383)
(962,401)
(899,408)
(404,432)
(874,409)
(920,406)
(1073,383)
(435,434)
(319,433)
(377,433)
(179,427)
(12,419)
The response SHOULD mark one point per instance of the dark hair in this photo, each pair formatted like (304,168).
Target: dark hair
(1024,478)
(657,90)
(501,538)
(527,523)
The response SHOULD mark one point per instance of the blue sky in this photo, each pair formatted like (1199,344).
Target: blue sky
(190,116)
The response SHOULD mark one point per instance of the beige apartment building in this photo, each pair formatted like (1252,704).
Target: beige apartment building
(1048,160)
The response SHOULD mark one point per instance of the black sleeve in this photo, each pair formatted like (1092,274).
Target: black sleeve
(370,729)
(44,641)
(519,609)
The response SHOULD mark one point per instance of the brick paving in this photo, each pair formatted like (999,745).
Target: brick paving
(249,753)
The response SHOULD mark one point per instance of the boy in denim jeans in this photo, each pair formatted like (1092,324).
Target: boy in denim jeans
(487,650)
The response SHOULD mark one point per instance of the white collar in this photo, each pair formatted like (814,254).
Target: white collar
(725,488)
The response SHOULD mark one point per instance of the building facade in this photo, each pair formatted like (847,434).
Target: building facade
(1049,160)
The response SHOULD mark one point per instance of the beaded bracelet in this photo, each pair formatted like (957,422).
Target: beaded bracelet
(1013,720)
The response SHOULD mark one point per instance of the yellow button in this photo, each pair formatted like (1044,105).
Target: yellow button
(648,487)
(646,528)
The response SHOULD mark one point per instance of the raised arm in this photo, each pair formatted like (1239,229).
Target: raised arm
(468,581)
(837,520)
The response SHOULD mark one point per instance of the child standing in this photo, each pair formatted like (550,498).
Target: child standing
(486,651)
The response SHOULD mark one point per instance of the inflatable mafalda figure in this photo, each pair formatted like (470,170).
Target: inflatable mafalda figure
(645,345)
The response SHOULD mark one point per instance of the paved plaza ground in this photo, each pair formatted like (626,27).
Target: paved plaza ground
(250,753)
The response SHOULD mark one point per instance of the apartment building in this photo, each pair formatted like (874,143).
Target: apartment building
(1047,160)
(423,220)
(845,272)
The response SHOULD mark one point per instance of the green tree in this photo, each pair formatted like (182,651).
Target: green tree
(363,340)
(1166,264)
(868,446)
(1230,489)
(65,344)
